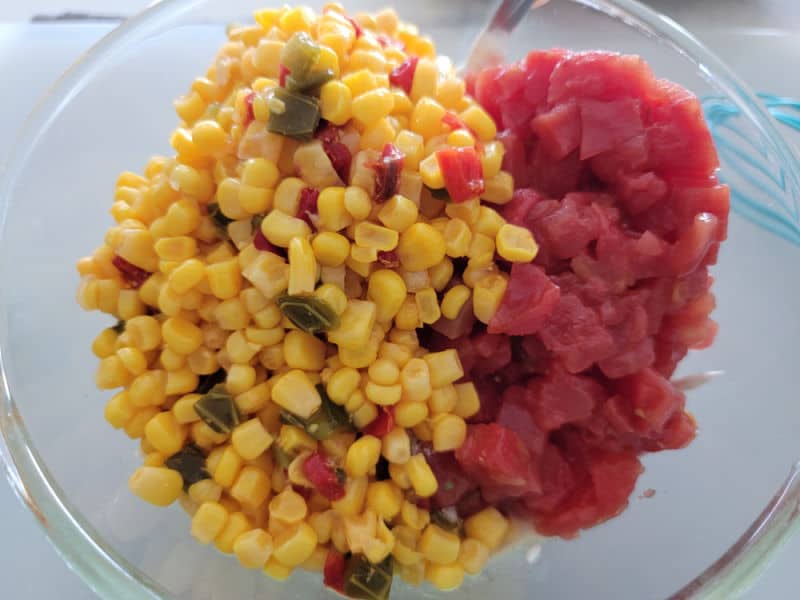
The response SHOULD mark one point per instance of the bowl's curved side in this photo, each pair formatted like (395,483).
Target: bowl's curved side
(104,570)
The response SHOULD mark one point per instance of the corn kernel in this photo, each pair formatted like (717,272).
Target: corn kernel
(134,428)
(449,432)
(409,414)
(487,295)
(357,202)
(488,526)
(280,228)
(371,105)
(428,305)
(157,485)
(355,325)
(444,367)
(302,267)
(444,577)
(119,410)
(384,372)
(165,434)
(253,548)
(149,388)
(209,521)
(240,378)
(276,570)
(252,486)
(289,506)
(499,189)
(331,207)
(227,469)
(330,249)
(420,247)
(415,378)
(362,456)
(293,440)
(205,490)
(421,476)
(426,118)
(398,213)
(181,336)
(376,135)
(384,498)
(438,546)
(144,332)
(304,351)
(492,159)
(425,81)
(236,525)
(251,439)
(295,392)
(396,446)
(516,244)
(413,516)
(468,403)
(383,395)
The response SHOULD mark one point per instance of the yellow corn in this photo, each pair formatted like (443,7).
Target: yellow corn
(280,228)
(388,291)
(156,485)
(330,249)
(355,493)
(413,516)
(253,548)
(355,325)
(133,359)
(468,402)
(295,392)
(479,121)
(488,526)
(376,135)
(303,351)
(144,332)
(487,295)
(374,236)
(322,522)
(236,525)
(252,486)
(165,434)
(342,384)
(251,439)
(420,247)
(119,410)
(454,300)
(302,267)
(443,399)
(149,388)
(370,106)
(438,546)
(289,506)
(499,188)
(181,336)
(516,244)
(398,213)
(384,372)
(384,498)
(444,577)
(445,367)
(428,305)
(383,395)
(209,521)
(276,570)
(449,432)
(408,413)
(357,202)
(473,556)
(412,145)
(205,490)
(426,118)
(421,476)
(224,278)
(331,207)
(362,456)
(425,80)
(396,446)
(293,440)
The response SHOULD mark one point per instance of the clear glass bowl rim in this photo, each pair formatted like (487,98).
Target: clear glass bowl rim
(109,574)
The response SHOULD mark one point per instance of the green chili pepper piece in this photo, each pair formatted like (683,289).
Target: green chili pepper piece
(366,581)
(282,458)
(190,462)
(218,410)
(300,116)
(447,519)
(309,313)
(220,220)
(206,382)
(311,83)
(300,54)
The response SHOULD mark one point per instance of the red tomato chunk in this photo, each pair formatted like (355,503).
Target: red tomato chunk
(615,175)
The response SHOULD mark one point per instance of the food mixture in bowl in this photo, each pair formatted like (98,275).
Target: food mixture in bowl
(372,317)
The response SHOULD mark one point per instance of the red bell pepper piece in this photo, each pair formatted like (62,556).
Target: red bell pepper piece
(333,573)
(452,121)
(308,205)
(282,73)
(320,471)
(359,30)
(403,74)
(133,275)
(249,115)
(382,425)
(338,153)
(462,172)
(387,172)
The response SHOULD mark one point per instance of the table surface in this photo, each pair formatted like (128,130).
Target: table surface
(743,32)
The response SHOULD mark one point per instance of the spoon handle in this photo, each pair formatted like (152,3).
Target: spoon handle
(488,47)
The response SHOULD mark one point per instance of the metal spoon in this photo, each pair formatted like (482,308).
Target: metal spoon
(487,49)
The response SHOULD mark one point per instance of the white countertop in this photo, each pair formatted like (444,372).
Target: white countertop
(748,34)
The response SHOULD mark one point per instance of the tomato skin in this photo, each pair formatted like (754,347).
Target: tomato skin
(382,425)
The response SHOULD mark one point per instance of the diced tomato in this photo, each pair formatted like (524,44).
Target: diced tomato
(609,123)
(382,424)
(403,74)
(333,572)
(516,414)
(453,482)
(133,275)
(601,76)
(561,398)
(321,472)
(387,172)
(559,129)
(530,299)
(651,398)
(283,72)
(462,172)
(307,206)
(495,456)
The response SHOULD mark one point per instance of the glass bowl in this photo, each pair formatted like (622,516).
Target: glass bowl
(113,109)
